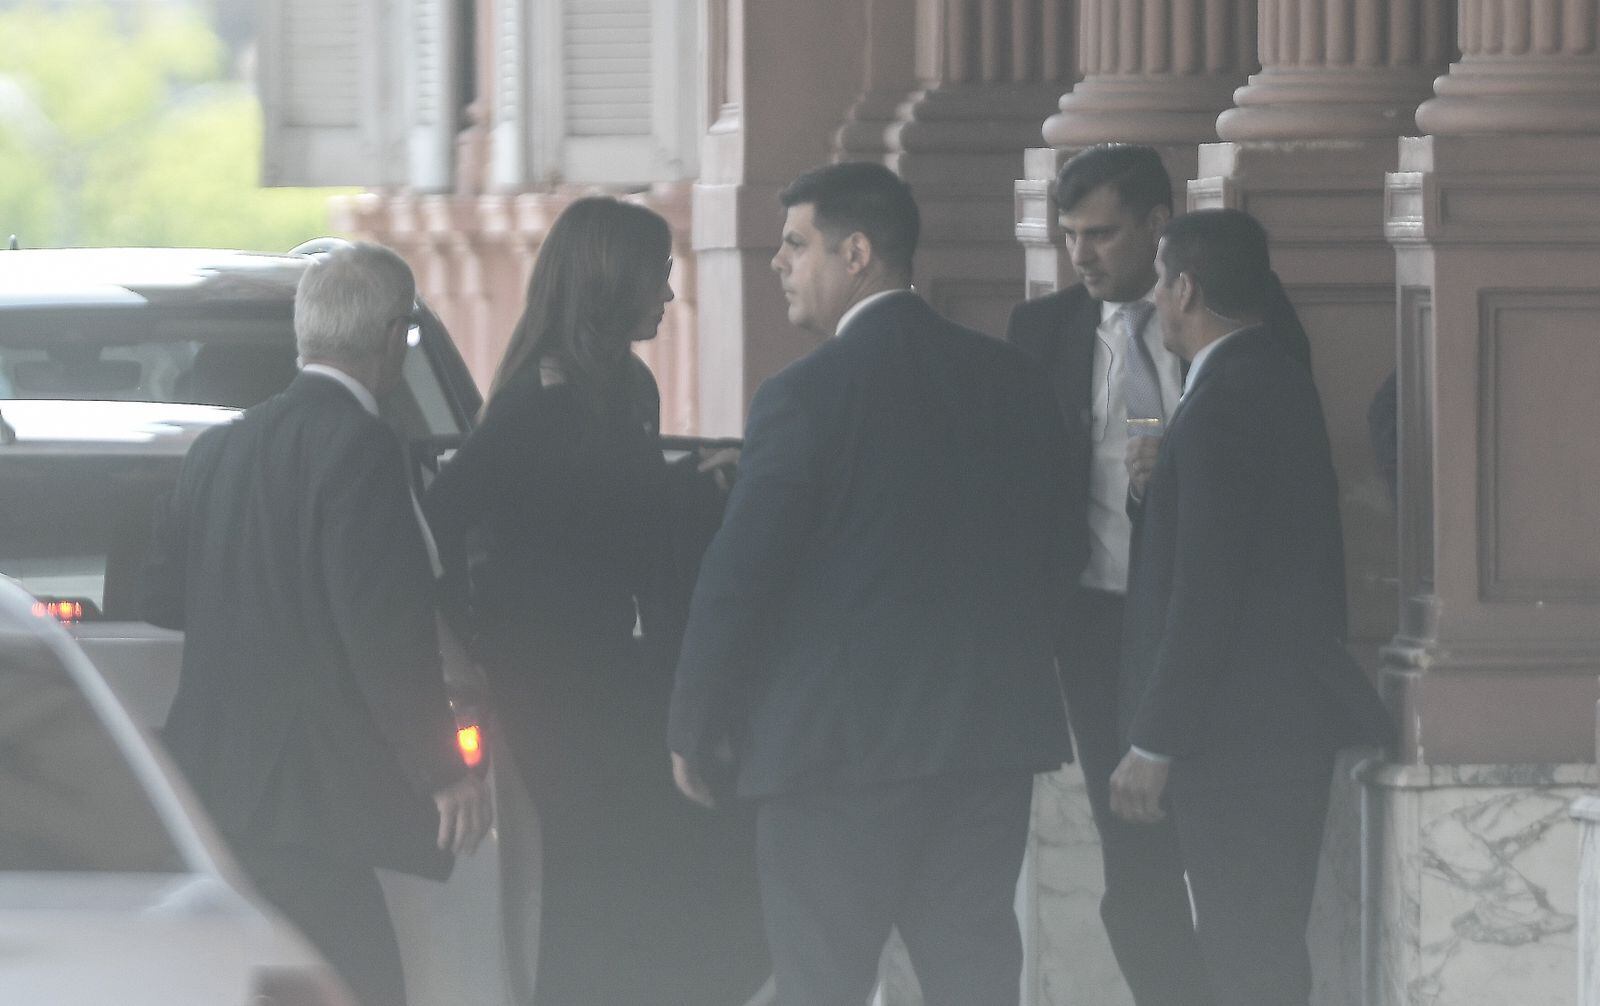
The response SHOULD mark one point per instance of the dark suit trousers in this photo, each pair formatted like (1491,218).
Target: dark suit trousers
(339,907)
(1146,904)
(1252,849)
(938,858)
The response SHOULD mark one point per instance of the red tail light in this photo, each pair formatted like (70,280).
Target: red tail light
(470,740)
(66,612)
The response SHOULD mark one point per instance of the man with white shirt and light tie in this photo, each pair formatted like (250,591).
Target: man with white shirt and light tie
(1115,394)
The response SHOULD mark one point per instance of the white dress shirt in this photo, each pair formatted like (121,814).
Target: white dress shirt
(859,305)
(1110,531)
(1205,353)
(369,402)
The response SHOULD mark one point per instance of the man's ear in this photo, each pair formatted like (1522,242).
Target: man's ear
(857,252)
(1157,218)
(399,332)
(1188,292)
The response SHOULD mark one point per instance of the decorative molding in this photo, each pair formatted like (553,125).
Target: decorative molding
(1035,213)
(1215,192)
(1496,339)
(1410,206)
(1415,361)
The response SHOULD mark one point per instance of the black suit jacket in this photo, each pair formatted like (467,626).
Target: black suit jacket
(1058,331)
(880,602)
(1233,655)
(311,708)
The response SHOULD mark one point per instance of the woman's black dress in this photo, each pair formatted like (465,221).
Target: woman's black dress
(565,514)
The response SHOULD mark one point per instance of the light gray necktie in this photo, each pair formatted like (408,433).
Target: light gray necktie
(1141,384)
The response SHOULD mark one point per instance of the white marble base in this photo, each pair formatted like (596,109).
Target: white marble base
(1066,958)
(1586,811)
(1476,893)
(1069,961)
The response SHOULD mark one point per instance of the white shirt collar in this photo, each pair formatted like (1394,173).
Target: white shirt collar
(855,308)
(363,395)
(1204,354)
(1108,308)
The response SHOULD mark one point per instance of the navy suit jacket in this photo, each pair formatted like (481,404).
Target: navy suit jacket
(880,603)
(1233,654)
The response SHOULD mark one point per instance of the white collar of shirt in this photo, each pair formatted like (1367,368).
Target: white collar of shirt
(1205,354)
(856,308)
(355,387)
(1111,307)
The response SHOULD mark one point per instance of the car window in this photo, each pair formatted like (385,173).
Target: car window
(69,801)
(420,407)
(219,353)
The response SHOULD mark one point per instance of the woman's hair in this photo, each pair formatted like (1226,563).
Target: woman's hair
(597,276)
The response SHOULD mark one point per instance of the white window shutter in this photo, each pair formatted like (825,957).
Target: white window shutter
(611,92)
(511,157)
(433,92)
(608,68)
(328,93)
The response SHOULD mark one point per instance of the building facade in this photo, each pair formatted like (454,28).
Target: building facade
(1430,173)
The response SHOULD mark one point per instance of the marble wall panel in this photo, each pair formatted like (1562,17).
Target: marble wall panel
(1586,811)
(1478,903)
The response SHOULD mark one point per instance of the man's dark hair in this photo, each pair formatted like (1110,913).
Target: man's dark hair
(1226,252)
(1133,170)
(866,197)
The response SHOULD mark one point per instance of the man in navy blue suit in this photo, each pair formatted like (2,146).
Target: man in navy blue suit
(1237,690)
(872,634)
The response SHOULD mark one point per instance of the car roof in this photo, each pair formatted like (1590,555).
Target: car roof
(60,426)
(67,277)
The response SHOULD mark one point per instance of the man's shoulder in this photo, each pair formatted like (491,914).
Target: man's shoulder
(1036,324)
(313,414)
(1052,306)
(1260,356)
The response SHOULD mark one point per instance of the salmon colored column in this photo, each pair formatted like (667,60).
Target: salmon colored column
(1492,214)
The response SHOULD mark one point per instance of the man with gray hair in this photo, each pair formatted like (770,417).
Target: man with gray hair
(311,716)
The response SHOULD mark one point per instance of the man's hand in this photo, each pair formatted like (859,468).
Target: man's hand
(465,814)
(721,462)
(1141,462)
(1136,788)
(690,784)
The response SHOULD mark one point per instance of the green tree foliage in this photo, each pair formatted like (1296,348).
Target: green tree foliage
(120,128)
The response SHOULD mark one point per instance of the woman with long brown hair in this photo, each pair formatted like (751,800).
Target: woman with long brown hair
(560,497)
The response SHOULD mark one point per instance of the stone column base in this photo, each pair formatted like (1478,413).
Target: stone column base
(1471,883)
